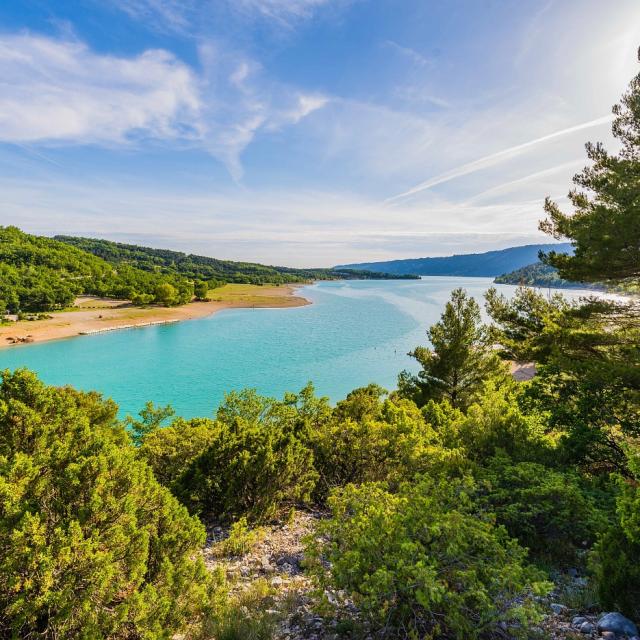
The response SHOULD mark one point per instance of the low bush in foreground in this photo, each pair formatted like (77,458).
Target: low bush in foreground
(422,561)
(256,464)
(91,546)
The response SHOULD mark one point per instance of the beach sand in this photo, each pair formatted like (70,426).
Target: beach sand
(92,315)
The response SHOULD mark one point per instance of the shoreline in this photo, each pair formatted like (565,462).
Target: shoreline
(94,316)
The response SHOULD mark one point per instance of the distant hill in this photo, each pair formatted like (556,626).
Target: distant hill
(211,270)
(542,275)
(488,264)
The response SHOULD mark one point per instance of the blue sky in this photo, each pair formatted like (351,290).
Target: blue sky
(304,132)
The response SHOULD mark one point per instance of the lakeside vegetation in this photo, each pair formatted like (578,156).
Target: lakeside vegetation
(543,275)
(40,274)
(452,507)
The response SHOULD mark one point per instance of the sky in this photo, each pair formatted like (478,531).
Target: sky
(304,132)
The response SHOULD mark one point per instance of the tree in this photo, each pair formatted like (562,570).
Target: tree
(605,227)
(201,290)
(91,546)
(166,295)
(461,359)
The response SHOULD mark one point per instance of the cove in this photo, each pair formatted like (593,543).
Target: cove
(354,333)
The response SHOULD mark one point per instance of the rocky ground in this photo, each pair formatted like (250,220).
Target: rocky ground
(277,557)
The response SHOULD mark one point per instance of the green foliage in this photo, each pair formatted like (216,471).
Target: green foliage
(461,359)
(257,463)
(617,572)
(615,559)
(207,269)
(550,512)
(90,544)
(368,440)
(42,274)
(241,539)
(588,370)
(545,276)
(496,423)
(247,615)
(424,561)
(169,451)
(604,225)
(151,419)
(201,290)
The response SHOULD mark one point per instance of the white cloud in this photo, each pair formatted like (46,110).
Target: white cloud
(281,11)
(60,91)
(498,157)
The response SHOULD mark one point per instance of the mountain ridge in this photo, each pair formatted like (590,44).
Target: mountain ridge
(486,264)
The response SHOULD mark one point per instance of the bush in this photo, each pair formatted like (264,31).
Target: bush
(424,561)
(495,423)
(90,544)
(169,451)
(241,539)
(370,440)
(257,463)
(615,559)
(548,511)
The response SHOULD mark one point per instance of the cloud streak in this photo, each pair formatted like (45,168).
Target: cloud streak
(495,158)
(61,92)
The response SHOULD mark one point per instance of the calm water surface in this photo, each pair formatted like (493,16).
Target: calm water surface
(354,333)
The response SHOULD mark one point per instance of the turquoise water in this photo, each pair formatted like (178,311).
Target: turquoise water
(354,333)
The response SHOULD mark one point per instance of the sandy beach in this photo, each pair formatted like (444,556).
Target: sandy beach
(94,315)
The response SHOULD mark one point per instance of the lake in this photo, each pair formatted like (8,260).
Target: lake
(354,333)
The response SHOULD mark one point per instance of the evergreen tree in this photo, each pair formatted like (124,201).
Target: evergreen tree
(605,228)
(460,361)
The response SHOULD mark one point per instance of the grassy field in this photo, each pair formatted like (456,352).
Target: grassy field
(254,295)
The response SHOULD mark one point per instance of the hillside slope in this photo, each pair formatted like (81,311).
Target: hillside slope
(206,268)
(488,264)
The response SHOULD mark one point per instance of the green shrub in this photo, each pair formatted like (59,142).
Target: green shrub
(170,450)
(615,560)
(241,539)
(548,511)
(257,463)
(494,423)
(617,572)
(424,561)
(370,440)
(247,615)
(91,545)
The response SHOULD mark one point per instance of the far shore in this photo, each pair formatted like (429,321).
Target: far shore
(92,315)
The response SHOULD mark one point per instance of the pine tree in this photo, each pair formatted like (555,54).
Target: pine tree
(460,361)
(605,227)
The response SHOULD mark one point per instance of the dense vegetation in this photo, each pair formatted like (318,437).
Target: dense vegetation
(208,269)
(488,264)
(43,274)
(542,275)
(451,503)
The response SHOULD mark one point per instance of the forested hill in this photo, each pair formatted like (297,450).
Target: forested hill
(542,275)
(210,269)
(488,264)
(44,274)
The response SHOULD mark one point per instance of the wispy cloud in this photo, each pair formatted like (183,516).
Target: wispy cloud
(495,158)
(61,92)
(186,17)
(408,52)
(164,15)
